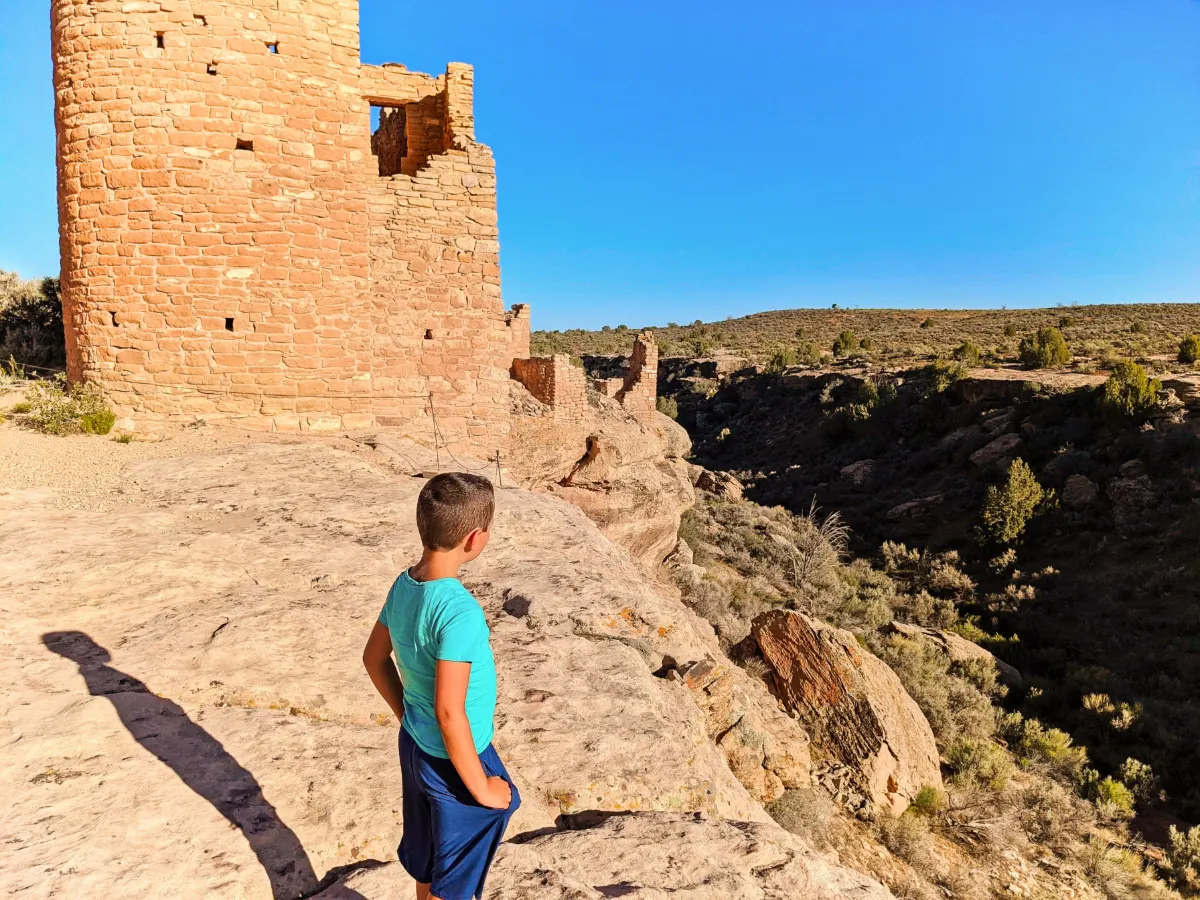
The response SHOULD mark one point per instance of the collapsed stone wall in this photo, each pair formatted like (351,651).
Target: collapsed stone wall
(639,394)
(557,383)
(230,248)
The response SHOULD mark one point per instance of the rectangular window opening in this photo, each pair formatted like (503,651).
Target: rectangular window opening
(200,20)
(244,144)
(228,324)
(115,323)
(212,68)
(389,138)
(161,40)
(429,334)
(273,47)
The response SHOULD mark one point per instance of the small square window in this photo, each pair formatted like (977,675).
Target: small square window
(115,323)
(212,68)
(200,20)
(243,144)
(429,334)
(161,40)
(273,47)
(229,323)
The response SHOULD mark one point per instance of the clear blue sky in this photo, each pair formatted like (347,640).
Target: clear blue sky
(679,160)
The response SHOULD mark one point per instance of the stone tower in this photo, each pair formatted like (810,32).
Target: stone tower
(239,241)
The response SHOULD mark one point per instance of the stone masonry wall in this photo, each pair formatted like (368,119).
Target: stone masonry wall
(229,247)
(557,383)
(639,394)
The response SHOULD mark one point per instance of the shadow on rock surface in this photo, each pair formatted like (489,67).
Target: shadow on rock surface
(201,762)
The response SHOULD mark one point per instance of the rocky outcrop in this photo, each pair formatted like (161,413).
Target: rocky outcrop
(859,473)
(998,453)
(960,650)
(852,705)
(766,750)
(628,475)
(192,719)
(1132,496)
(647,856)
(915,509)
(1079,492)
(719,484)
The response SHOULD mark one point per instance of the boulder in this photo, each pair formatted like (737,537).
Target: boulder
(645,856)
(720,484)
(998,423)
(959,649)
(859,473)
(853,706)
(629,476)
(191,718)
(998,453)
(914,509)
(1132,499)
(765,749)
(1079,492)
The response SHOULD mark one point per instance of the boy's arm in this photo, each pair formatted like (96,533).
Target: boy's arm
(450,707)
(377,658)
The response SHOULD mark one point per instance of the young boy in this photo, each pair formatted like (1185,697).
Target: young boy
(457,796)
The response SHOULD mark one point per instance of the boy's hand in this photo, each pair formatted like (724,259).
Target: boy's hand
(498,794)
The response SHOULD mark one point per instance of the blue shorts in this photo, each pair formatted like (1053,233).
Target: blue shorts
(449,838)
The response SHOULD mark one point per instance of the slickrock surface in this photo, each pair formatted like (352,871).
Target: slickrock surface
(853,705)
(185,715)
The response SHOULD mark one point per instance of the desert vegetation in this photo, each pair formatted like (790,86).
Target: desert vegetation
(1013,783)
(31,325)
(1161,336)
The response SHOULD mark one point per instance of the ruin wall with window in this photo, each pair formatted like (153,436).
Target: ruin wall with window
(238,244)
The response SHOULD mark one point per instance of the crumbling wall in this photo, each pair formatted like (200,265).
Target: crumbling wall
(557,383)
(230,248)
(639,394)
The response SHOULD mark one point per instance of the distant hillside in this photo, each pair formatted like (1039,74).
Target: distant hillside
(1093,332)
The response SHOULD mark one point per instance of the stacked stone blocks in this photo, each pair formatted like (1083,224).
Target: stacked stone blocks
(230,248)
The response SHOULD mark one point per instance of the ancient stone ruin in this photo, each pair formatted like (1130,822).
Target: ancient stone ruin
(256,226)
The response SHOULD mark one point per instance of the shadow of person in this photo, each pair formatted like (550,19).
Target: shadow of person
(163,728)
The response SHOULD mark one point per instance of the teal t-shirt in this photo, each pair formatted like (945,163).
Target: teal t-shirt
(432,620)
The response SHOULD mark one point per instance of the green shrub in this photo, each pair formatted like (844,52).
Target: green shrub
(1010,330)
(867,345)
(55,408)
(1189,349)
(98,422)
(668,406)
(1183,857)
(943,375)
(980,762)
(1066,322)
(1007,510)
(126,438)
(846,344)
(20,409)
(1113,799)
(808,354)
(1036,746)
(782,359)
(928,323)
(1137,328)
(1140,779)
(1045,349)
(1130,391)
(968,353)
(928,802)
(31,324)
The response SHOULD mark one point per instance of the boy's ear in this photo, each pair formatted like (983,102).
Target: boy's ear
(472,538)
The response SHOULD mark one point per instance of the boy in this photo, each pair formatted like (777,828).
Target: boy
(457,796)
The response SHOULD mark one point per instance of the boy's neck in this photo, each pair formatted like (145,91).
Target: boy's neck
(436,564)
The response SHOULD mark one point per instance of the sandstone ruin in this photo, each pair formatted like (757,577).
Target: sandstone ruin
(240,242)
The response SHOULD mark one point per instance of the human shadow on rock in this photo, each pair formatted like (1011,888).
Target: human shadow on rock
(200,761)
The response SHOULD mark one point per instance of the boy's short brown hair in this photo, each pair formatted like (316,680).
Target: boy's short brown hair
(451,506)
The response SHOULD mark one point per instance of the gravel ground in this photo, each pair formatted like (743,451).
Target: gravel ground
(85,471)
